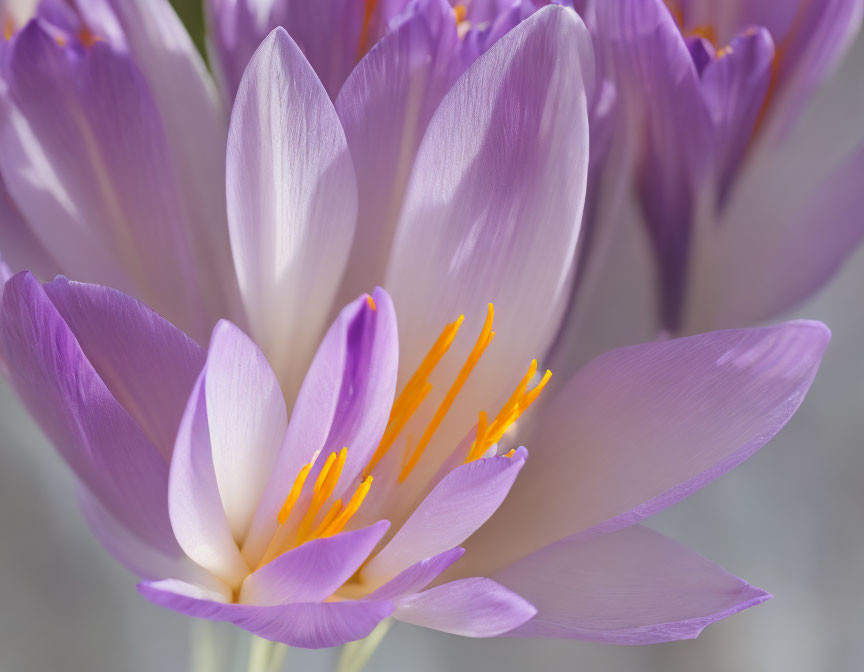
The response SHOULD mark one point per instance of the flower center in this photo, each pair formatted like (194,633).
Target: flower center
(409,400)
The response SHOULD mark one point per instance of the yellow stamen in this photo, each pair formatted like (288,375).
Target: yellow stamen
(511,404)
(339,514)
(459,13)
(481,435)
(506,419)
(393,430)
(294,494)
(87,38)
(371,302)
(515,406)
(414,392)
(353,505)
(328,518)
(333,474)
(325,471)
(509,453)
(507,415)
(324,486)
(8,28)
(538,388)
(482,343)
(363,44)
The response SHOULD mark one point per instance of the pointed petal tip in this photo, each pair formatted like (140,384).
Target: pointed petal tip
(383,524)
(632,587)
(17,288)
(472,607)
(806,342)
(751,597)
(224,328)
(380,292)
(277,35)
(821,332)
(22,275)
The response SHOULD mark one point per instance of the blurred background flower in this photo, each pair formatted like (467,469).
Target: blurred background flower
(704,211)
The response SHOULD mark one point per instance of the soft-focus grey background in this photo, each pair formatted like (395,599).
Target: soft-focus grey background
(790,520)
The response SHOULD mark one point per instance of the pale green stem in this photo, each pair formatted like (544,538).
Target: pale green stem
(265,656)
(259,655)
(356,654)
(203,654)
(277,660)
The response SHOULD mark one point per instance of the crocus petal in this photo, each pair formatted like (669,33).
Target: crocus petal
(314,625)
(131,551)
(788,228)
(727,18)
(818,37)
(247,419)
(90,430)
(734,85)
(640,428)
(310,625)
(91,171)
(311,572)
(634,586)
(457,506)
(193,596)
(292,202)
(385,107)
(503,21)
(335,34)
(474,607)
(20,247)
(616,263)
(345,401)
(148,364)
(493,208)
(5,274)
(235,28)
(664,107)
(368,383)
(417,576)
(194,504)
(31,176)
(329,33)
(195,121)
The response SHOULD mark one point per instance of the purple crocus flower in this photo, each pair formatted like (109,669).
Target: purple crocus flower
(311,527)
(739,229)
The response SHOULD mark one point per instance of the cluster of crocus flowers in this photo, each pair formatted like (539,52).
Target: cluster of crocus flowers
(306,482)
